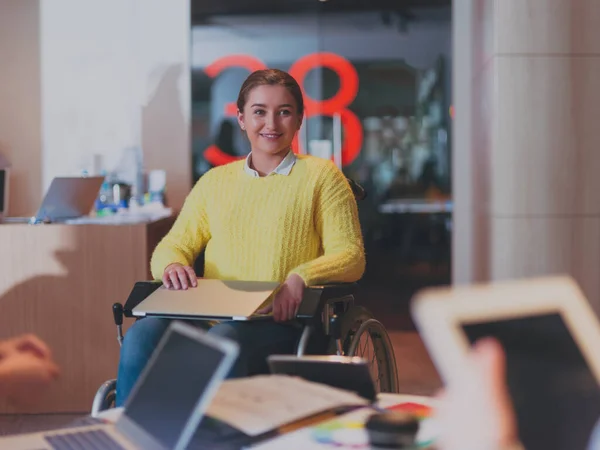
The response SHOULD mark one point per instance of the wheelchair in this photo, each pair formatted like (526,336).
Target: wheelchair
(332,324)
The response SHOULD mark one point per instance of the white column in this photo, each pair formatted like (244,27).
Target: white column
(536,165)
(472,23)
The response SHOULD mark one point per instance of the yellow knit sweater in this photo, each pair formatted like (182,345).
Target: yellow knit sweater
(263,229)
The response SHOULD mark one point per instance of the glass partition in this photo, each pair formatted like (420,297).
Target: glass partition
(377,90)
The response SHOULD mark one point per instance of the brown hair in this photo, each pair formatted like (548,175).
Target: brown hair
(271,77)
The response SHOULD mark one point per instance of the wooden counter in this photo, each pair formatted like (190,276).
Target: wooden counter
(59,282)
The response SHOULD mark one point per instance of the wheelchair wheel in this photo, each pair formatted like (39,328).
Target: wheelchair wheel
(367,338)
(105,397)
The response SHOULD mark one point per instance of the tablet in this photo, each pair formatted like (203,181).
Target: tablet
(551,337)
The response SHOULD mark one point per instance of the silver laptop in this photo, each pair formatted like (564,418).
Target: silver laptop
(166,404)
(211,299)
(66,198)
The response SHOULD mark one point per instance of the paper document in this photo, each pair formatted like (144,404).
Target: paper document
(260,404)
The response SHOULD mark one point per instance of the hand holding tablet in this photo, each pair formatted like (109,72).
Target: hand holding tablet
(551,339)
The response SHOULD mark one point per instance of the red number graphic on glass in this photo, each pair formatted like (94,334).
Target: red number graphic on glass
(213,154)
(338,104)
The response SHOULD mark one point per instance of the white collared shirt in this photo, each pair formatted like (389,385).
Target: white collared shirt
(284,167)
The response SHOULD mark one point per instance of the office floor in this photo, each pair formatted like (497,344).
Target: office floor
(416,375)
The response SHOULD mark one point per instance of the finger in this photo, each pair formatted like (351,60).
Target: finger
(166,279)
(287,310)
(192,276)
(266,310)
(174,280)
(33,344)
(277,310)
(9,348)
(53,369)
(291,310)
(183,278)
(296,308)
(283,311)
(45,369)
(489,356)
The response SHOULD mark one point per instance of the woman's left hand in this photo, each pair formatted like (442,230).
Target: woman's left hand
(287,299)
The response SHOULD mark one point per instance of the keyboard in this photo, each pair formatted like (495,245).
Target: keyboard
(83,440)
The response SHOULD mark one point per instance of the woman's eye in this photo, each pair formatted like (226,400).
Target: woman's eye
(259,112)
(285,112)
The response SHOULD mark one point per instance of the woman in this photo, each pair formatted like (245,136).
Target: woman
(274,216)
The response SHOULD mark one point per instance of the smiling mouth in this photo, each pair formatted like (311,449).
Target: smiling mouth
(271,135)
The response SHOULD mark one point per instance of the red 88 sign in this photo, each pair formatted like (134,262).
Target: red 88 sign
(338,104)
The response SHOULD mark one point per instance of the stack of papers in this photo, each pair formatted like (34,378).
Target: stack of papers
(260,404)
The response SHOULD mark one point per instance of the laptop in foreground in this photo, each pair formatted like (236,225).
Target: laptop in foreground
(165,406)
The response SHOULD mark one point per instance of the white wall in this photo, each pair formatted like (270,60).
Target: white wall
(115,75)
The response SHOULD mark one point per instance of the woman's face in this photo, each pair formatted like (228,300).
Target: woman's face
(270,118)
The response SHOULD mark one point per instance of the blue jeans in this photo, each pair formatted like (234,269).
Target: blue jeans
(257,340)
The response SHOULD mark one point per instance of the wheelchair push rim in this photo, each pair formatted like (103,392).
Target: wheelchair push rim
(366,337)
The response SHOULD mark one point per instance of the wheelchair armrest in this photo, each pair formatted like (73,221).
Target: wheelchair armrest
(311,307)
(315,298)
(140,291)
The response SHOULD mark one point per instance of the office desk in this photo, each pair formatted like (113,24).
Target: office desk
(59,282)
(304,438)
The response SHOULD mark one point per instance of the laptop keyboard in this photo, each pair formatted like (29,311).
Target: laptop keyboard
(83,440)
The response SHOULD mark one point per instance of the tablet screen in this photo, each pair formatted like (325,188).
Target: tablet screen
(555,394)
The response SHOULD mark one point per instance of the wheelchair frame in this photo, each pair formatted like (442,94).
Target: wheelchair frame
(322,306)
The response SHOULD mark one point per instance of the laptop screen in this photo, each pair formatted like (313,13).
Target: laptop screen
(555,394)
(167,396)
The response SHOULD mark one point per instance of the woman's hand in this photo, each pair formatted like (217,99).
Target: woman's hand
(26,369)
(178,276)
(287,299)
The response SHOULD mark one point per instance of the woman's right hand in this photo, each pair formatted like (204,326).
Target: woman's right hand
(178,276)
